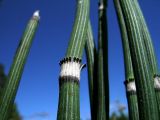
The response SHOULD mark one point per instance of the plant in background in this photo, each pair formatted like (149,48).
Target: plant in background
(69,79)
(91,54)
(2,79)
(129,75)
(16,70)
(150,51)
(102,64)
(14,115)
(145,89)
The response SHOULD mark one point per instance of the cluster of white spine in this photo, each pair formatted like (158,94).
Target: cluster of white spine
(131,86)
(101,7)
(71,68)
(157,82)
(36,14)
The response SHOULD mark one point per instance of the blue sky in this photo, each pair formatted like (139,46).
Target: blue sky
(38,91)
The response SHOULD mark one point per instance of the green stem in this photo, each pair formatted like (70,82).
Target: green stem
(149,47)
(102,69)
(69,108)
(77,41)
(129,75)
(147,39)
(132,106)
(15,73)
(145,89)
(90,49)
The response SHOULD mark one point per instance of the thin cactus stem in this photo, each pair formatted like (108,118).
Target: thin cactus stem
(69,79)
(102,62)
(129,75)
(145,89)
(147,39)
(132,102)
(77,40)
(90,49)
(150,51)
(15,73)
(157,91)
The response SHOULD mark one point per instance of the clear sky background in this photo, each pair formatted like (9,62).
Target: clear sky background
(37,97)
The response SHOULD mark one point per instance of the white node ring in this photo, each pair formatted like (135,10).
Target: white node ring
(157,82)
(131,86)
(71,68)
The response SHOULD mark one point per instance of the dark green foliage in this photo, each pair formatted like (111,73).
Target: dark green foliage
(14,115)
(2,78)
(16,70)
(119,116)
(143,77)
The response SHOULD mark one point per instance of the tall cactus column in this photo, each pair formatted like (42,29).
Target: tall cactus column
(157,90)
(144,85)
(150,51)
(15,73)
(129,75)
(103,85)
(69,79)
(91,52)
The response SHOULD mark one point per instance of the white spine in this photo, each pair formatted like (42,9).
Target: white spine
(36,14)
(157,82)
(101,7)
(131,86)
(71,69)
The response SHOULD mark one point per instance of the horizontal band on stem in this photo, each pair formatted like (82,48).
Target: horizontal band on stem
(130,86)
(70,59)
(71,67)
(131,92)
(157,82)
(65,79)
(101,6)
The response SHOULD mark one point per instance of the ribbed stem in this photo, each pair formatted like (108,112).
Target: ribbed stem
(102,69)
(145,89)
(129,75)
(15,73)
(77,41)
(149,45)
(68,108)
(158,99)
(147,39)
(126,50)
(69,99)
(90,49)
(132,106)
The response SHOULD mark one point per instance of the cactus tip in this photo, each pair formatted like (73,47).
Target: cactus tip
(36,14)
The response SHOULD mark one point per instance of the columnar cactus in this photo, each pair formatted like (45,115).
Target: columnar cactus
(102,69)
(90,49)
(129,75)
(150,51)
(15,73)
(69,79)
(143,77)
